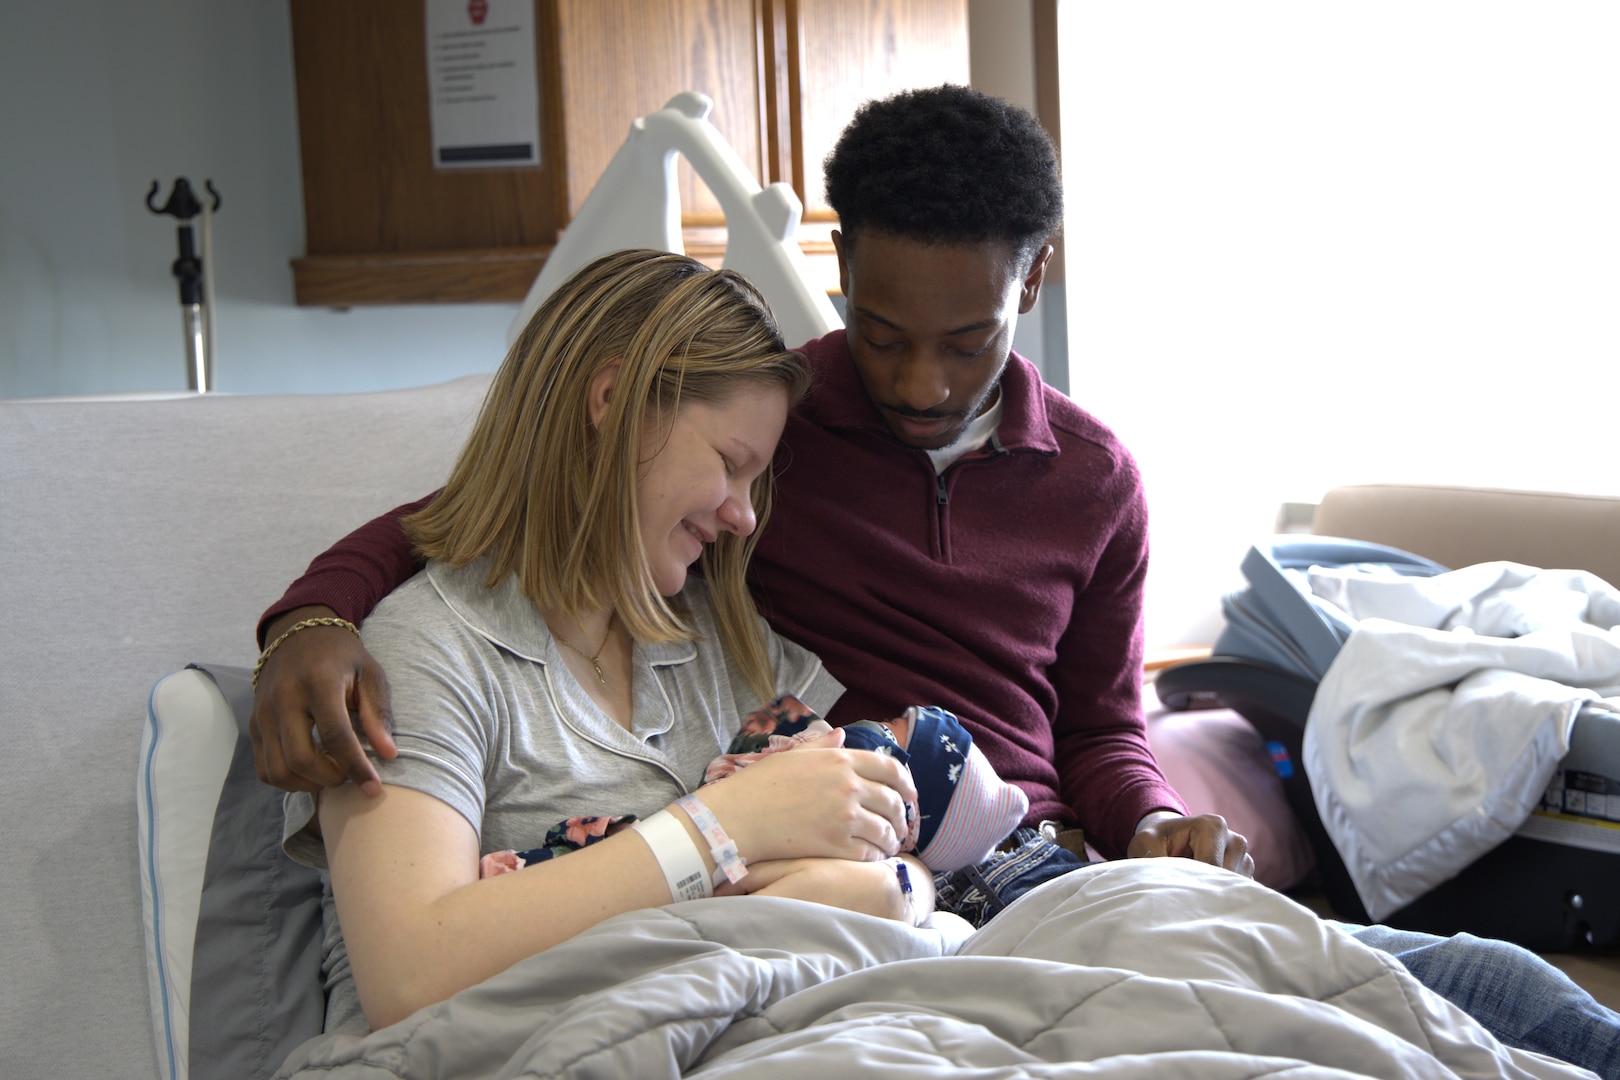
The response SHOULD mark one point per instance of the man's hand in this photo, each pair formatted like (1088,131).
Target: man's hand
(320,681)
(1204,838)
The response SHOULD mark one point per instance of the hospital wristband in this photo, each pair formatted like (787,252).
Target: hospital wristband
(906,891)
(721,846)
(678,857)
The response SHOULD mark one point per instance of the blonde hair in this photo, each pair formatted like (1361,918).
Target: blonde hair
(551,497)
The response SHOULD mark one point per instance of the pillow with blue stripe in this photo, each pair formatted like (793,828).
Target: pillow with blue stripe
(232,926)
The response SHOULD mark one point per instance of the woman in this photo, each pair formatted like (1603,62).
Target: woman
(555,657)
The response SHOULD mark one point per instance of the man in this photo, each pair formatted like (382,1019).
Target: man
(948,531)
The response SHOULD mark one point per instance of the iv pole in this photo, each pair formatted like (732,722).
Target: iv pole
(188,271)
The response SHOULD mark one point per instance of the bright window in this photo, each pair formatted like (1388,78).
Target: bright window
(1312,244)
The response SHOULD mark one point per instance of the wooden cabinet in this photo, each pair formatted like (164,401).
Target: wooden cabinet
(383,226)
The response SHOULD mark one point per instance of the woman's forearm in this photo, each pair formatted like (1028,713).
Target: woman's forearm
(483,928)
(420,925)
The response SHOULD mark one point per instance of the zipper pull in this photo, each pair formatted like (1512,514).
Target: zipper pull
(939,491)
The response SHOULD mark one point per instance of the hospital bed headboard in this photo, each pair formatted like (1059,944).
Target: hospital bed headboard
(636,204)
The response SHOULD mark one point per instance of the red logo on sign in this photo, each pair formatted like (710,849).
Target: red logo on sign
(476,10)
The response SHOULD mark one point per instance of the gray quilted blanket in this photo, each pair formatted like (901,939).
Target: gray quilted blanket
(1144,968)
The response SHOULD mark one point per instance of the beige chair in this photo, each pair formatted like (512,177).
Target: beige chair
(1460,526)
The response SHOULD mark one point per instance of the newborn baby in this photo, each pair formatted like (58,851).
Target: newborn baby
(963,808)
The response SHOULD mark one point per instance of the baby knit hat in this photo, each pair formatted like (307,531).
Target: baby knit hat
(980,807)
(966,809)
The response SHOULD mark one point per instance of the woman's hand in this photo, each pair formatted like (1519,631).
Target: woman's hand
(871,888)
(820,801)
(320,680)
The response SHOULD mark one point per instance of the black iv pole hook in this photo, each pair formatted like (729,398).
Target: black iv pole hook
(188,271)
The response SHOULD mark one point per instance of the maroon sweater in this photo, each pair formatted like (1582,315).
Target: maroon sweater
(1008,590)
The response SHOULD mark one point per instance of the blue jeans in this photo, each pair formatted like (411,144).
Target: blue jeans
(1024,860)
(1511,992)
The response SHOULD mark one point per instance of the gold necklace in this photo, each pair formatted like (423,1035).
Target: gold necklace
(592,660)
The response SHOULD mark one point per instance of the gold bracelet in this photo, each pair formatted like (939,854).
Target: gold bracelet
(293,629)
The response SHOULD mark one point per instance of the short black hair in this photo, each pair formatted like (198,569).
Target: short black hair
(946,165)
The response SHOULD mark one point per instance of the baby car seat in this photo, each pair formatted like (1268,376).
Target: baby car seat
(1552,886)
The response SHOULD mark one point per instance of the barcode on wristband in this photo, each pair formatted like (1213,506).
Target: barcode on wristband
(690,887)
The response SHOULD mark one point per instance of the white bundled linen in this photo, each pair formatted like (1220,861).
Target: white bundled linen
(1143,968)
(1438,726)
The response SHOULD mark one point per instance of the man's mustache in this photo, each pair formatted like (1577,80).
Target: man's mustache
(918,414)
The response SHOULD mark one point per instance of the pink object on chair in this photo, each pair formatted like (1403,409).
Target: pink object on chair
(1219,765)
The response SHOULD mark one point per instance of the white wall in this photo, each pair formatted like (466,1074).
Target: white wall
(1315,244)
(98,98)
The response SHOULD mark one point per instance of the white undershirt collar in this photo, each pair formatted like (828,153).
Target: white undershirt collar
(975,435)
